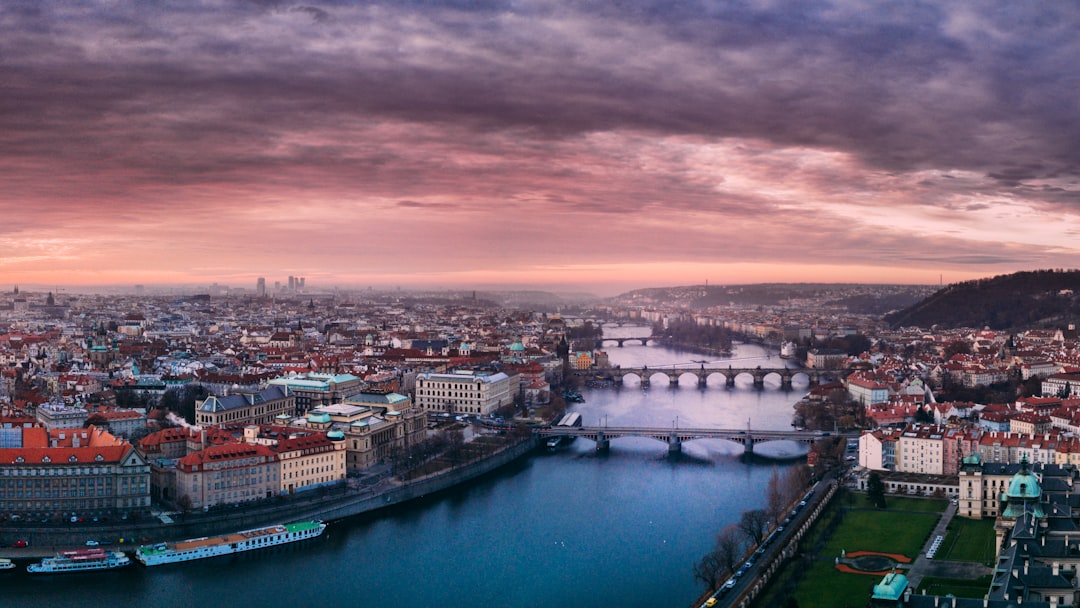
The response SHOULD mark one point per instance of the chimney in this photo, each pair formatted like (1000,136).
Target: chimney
(1055,569)
(1026,566)
(936,600)
(202,439)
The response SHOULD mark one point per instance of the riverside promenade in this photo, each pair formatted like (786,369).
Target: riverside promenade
(327,506)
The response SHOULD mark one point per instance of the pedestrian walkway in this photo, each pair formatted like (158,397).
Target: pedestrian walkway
(922,563)
(924,566)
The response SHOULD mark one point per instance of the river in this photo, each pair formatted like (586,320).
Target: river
(568,528)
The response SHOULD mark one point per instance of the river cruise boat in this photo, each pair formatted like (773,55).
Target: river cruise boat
(6,564)
(213,546)
(81,560)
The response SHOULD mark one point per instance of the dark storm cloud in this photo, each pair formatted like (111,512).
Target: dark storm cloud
(978,86)
(647,110)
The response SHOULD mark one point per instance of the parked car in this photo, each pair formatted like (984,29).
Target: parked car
(20,544)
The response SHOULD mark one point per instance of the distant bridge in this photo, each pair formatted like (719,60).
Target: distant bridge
(813,376)
(644,340)
(675,437)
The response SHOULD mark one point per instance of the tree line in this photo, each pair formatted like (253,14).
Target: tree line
(737,539)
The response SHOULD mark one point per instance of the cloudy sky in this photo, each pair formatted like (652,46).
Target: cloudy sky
(594,145)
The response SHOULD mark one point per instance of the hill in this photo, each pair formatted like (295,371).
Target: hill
(1040,298)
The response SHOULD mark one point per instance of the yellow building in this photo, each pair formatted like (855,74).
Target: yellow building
(307,459)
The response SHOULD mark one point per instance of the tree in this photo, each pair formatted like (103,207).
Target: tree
(708,570)
(754,524)
(729,548)
(956,347)
(775,502)
(875,490)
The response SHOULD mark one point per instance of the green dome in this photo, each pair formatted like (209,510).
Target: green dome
(1024,484)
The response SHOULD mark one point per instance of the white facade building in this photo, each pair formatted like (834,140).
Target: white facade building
(465,392)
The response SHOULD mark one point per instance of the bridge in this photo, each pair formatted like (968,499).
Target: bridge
(644,340)
(813,376)
(675,437)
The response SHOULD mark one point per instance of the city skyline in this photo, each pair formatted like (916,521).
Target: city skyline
(531,144)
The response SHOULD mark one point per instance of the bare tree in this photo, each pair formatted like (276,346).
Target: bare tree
(775,501)
(729,548)
(708,570)
(754,524)
(796,480)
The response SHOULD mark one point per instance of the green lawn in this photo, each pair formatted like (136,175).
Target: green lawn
(823,586)
(969,540)
(897,502)
(960,587)
(886,531)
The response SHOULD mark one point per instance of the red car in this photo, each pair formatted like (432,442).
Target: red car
(20,543)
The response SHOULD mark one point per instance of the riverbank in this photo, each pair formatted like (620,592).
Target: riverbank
(327,506)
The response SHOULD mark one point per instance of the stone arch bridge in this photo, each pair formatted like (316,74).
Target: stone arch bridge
(675,437)
(759,374)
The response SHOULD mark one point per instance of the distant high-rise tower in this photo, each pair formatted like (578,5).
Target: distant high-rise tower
(302,280)
(277,285)
(260,287)
(292,283)
(140,290)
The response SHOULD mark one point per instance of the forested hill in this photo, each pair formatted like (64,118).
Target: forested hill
(1041,298)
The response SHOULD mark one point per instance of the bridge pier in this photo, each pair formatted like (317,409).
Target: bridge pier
(645,383)
(702,381)
(674,445)
(785,382)
(748,444)
(731,381)
(603,444)
(759,381)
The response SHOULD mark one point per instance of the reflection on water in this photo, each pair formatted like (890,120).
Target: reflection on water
(569,528)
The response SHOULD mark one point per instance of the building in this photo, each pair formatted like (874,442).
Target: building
(307,459)
(465,392)
(313,389)
(920,449)
(226,474)
(866,390)
(1061,385)
(877,449)
(372,434)
(825,358)
(246,408)
(60,416)
(71,472)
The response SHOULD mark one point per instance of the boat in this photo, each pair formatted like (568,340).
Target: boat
(213,546)
(80,560)
(573,396)
(6,564)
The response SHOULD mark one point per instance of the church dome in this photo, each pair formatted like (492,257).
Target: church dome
(1024,485)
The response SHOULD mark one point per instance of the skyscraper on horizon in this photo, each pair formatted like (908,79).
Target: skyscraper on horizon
(260,287)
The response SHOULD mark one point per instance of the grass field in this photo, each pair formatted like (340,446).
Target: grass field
(969,540)
(959,587)
(823,586)
(904,503)
(886,531)
(903,528)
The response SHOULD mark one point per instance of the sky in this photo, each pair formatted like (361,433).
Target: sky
(596,146)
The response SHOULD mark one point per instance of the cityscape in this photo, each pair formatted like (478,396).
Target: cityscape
(534,303)
(189,427)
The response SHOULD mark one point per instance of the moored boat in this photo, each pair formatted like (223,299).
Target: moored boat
(80,560)
(213,546)
(6,564)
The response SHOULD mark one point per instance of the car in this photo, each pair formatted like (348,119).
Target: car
(731,583)
(20,544)
(802,503)
(780,529)
(91,543)
(709,603)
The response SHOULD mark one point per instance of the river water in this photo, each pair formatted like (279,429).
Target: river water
(567,528)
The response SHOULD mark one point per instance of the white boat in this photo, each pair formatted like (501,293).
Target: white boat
(80,560)
(213,546)
(6,564)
